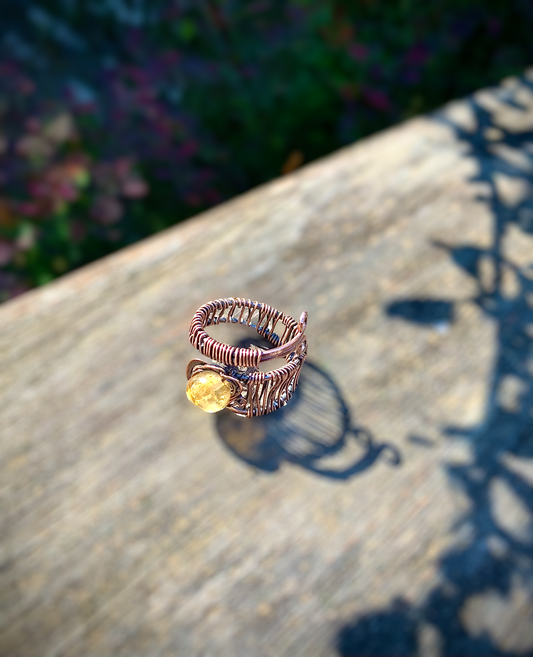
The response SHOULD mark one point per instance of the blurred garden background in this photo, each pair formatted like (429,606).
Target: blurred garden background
(119,118)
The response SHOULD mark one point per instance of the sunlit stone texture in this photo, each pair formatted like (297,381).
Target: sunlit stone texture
(209,391)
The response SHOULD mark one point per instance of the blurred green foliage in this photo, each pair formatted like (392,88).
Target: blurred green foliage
(163,108)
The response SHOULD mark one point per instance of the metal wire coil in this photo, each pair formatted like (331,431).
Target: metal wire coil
(258,393)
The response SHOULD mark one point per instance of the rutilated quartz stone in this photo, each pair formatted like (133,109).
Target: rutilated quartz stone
(208,391)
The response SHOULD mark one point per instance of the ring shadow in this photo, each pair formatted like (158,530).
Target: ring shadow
(314,426)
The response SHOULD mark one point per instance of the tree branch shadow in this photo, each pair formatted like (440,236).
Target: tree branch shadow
(474,609)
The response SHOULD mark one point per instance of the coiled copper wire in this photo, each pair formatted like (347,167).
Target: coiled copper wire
(254,393)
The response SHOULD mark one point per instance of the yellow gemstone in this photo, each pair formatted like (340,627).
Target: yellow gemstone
(209,391)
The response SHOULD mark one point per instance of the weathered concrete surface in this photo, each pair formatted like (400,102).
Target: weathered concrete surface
(133,524)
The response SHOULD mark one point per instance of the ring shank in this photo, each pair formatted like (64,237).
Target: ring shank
(260,316)
(260,392)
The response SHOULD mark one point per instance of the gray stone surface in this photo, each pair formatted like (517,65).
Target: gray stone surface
(386,511)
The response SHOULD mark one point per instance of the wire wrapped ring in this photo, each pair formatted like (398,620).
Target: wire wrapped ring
(234,380)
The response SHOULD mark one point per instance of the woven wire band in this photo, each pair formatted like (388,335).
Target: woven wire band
(254,393)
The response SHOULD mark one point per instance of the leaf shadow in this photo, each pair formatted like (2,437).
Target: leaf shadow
(483,601)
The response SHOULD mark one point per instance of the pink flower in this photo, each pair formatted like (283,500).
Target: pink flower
(78,231)
(105,177)
(258,7)
(494,25)
(212,196)
(171,57)
(76,171)
(7,251)
(188,148)
(53,188)
(122,167)
(134,188)
(417,55)
(28,208)
(86,107)
(33,124)
(114,235)
(17,289)
(192,199)
(358,51)
(348,91)
(412,76)
(26,86)
(106,210)
(377,99)
(34,146)
(64,190)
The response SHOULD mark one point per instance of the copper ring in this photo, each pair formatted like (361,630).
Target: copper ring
(251,392)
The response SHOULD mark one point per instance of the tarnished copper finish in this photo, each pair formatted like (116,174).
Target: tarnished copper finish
(253,392)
